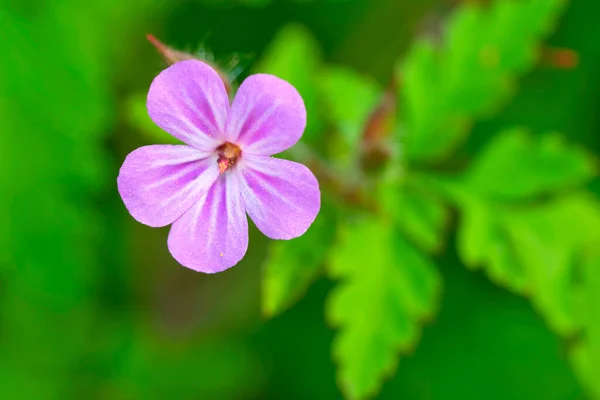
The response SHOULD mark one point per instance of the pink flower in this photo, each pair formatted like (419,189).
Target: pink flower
(226,170)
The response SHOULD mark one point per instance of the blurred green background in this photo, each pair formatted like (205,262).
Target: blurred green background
(93,306)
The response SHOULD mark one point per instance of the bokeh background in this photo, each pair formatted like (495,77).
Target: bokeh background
(93,306)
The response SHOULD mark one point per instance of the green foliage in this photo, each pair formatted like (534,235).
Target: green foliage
(586,354)
(489,335)
(527,245)
(519,242)
(549,255)
(515,165)
(418,213)
(470,74)
(387,287)
(348,101)
(443,90)
(291,266)
(342,98)
(483,240)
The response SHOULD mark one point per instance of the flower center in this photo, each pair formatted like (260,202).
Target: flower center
(228,154)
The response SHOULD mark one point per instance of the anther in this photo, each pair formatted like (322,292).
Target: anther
(228,155)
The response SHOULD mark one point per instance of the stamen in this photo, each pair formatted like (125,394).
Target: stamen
(224,163)
(228,155)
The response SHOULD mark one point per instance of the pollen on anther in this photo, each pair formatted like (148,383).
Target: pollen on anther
(228,155)
(221,254)
(224,164)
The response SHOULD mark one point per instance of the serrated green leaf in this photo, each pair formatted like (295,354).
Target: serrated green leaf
(470,74)
(527,247)
(349,100)
(294,55)
(543,246)
(387,287)
(420,215)
(516,165)
(585,281)
(483,242)
(528,250)
(547,251)
(292,265)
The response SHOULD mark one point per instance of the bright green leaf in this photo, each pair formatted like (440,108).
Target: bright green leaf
(547,249)
(483,242)
(472,72)
(349,100)
(529,249)
(386,289)
(516,165)
(586,354)
(420,215)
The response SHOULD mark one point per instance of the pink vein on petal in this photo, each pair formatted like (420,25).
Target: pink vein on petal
(159,183)
(281,197)
(213,235)
(189,101)
(267,115)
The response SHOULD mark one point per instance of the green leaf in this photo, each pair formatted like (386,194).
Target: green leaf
(292,265)
(527,249)
(483,241)
(349,100)
(526,246)
(545,251)
(483,333)
(586,354)
(419,214)
(548,253)
(387,288)
(294,55)
(470,74)
(515,165)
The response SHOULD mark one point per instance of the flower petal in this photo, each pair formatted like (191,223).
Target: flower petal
(282,197)
(189,101)
(159,183)
(267,116)
(213,235)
